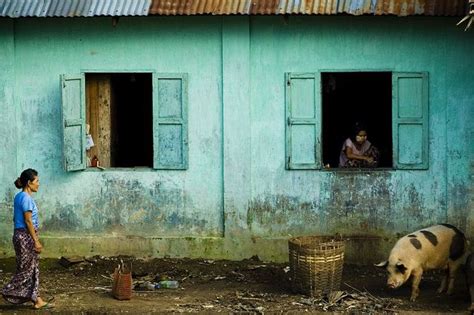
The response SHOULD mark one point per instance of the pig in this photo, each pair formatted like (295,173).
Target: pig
(440,246)
(469,269)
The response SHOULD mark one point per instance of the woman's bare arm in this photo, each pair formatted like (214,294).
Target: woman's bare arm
(353,156)
(31,229)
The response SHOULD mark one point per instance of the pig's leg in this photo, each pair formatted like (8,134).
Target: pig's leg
(415,290)
(469,270)
(471,287)
(453,269)
(471,291)
(444,281)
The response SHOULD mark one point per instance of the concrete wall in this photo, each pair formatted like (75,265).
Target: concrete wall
(8,128)
(460,132)
(236,199)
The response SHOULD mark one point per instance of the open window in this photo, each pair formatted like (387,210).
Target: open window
(349,97)
(322,107)
(119,113)
(125,120)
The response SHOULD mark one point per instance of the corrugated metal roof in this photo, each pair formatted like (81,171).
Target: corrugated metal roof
(353,7)
(88,8)
(71,8)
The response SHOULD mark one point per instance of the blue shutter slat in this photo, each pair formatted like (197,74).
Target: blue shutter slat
(73,121)
(170,131)
(410,120)
(303,121)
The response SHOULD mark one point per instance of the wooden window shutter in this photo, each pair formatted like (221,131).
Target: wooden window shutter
(73,121)
(410,120)
(170,125)
(303,121)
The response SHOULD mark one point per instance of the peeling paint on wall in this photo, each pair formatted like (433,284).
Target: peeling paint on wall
(281,215)
(359,201)
(463,203)
(126,207)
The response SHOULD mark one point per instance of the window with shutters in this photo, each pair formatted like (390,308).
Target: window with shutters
(322,108)
(350,97)
(124,120)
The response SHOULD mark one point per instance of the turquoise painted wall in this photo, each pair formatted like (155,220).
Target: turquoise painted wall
(236,199)
(384,200)
(8,153)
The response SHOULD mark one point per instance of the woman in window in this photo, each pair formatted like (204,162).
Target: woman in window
(24,285)
(357,151)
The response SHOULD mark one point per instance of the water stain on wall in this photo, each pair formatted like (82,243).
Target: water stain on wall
(65,219)
(462,204)
(128,207)
(281,215)
(348,202)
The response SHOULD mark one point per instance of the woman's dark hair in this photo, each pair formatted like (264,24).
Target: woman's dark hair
(26,175)
(358,127)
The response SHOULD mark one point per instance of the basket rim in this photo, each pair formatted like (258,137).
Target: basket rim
(317,240)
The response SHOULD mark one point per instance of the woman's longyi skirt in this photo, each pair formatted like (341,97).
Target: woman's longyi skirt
(25,282)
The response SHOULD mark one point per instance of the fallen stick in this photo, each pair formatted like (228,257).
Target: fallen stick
(363,293)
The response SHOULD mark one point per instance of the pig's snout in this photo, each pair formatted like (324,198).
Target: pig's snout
(393,284)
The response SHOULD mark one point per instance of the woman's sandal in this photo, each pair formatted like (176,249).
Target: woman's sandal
(45,306)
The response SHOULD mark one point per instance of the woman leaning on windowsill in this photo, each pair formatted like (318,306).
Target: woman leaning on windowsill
(357,151)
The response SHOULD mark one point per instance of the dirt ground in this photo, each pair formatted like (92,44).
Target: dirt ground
(206,286)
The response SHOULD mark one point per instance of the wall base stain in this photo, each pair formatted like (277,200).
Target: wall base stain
(359,249)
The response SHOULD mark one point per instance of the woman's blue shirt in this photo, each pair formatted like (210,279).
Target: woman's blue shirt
(21,204)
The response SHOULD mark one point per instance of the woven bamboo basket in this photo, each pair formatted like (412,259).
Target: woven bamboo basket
(316,264)
(122,283)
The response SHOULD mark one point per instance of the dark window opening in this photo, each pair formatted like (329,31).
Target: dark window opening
(349,97)
(119,113)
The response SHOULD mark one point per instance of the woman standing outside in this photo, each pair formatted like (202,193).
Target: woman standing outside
(24,285)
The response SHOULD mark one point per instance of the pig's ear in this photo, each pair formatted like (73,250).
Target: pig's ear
(401,267)
(382,264)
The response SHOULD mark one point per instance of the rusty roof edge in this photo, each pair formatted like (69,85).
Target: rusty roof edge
(310,7)
(90,8)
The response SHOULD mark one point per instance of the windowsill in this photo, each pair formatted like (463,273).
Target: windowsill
(120,169)
(358,170)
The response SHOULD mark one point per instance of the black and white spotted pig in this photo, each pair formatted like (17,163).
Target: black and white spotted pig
(470,278)
(437,247)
